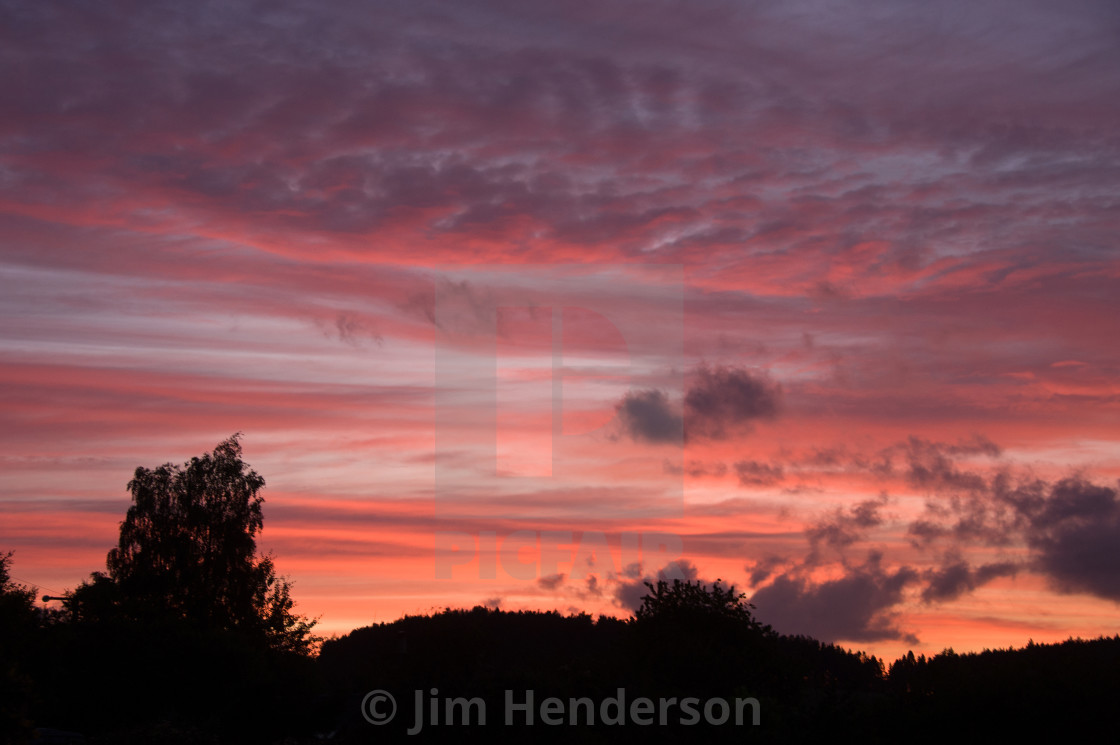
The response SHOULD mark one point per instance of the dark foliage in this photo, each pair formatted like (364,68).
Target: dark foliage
(167,681)
(188,637)
(17,626)
(1055,692)
(694,602)
(187,552)
(122,681)
(692,640)
(688,640)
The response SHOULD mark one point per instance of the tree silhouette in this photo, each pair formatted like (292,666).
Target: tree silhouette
(17,602)
(17,623)
(696,602)
(187,551)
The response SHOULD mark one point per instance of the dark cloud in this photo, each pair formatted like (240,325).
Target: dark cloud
(648,416)
(957,577)
(1076,538)
(628,595)
(723,401)
(696,469)
(753,473)
(855,607)
(925,464)
(551,582)
(930,465)
(924,532)
(630,571)
(593,588)
(763,569)
(681,569)
(719,403)
(590,589)
(1071,527)
(844,527)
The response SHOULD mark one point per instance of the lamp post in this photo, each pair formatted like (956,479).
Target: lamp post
(63,599)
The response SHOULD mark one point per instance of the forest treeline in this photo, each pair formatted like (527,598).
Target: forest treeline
(190,637)
(118,680)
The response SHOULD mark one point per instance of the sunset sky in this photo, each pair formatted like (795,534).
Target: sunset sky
(522,303)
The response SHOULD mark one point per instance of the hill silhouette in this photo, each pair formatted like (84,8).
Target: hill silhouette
(119,681)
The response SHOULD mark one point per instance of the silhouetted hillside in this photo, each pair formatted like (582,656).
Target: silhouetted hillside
(1042,690)
(803,687)
(117,681)
(807,691)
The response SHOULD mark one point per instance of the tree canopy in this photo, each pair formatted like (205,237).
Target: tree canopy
(16,601)
(187,551)
(694,601)
(17,622)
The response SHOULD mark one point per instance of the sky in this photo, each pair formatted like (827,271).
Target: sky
(524,304)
